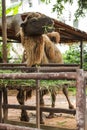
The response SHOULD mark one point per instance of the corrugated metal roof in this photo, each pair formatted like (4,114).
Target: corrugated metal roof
(68,33)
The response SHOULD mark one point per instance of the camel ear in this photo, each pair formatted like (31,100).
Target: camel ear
(23,16)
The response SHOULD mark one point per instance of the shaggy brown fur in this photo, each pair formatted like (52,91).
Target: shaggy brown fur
(51,52)
(54,37)
(34,47)
(40,49)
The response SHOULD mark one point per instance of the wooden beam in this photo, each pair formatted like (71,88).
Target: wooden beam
(81,54)
(0,106)
(80,100)
(43,109)
(38,102)
(13,127)
(5,102)
(4,31)
(45,76)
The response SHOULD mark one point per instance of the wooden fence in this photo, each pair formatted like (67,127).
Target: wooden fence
(54,72)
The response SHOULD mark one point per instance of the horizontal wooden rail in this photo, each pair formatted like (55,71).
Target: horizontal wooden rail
(41,69)
(45,76)
(14,127)
(43,109)
(12,64)
(50,64)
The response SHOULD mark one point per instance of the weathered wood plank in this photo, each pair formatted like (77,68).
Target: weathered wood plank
(50,64)
(5,102)
(45,127)
(43,109)
(41,69)
(13,127)
(80,100)
(38,102)
(45,76)
(4,32)
(0,106)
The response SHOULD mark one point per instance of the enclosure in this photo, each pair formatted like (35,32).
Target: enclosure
(44,72)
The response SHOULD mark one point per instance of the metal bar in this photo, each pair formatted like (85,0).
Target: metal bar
(80,100)
(45,76)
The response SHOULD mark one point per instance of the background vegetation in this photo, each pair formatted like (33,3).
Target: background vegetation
(59,6)
(73,55)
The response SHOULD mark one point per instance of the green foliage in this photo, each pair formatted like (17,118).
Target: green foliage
(72,90)
(82,10)
(46,1)
(59,6)
(13,8)
(8,52)
(73,55)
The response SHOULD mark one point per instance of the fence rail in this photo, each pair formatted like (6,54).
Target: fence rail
(79,75)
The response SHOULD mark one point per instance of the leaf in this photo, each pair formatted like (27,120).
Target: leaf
(14,8)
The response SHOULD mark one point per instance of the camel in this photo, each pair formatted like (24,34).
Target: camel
(40,49)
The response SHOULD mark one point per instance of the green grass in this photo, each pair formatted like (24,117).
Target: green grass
(72,90)
(62,123)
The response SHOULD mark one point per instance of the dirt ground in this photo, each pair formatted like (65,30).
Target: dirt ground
(60,120)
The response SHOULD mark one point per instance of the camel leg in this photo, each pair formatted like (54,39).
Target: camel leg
(42,93)
(41,99)
(65,91)
(21,98)
(53,97)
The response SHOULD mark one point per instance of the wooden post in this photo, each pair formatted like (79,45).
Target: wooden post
(5,102)
(80,100)
(4,31)
(37,102)
(81,54)
(0,106)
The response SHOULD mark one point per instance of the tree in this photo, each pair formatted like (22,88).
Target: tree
(60,6)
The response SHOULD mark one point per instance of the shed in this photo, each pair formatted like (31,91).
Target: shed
(68,34)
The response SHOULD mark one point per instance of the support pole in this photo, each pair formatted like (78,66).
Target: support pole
(81,54)
(0,106)
(5,102)
(37,102)
(4,31)
(80,100)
